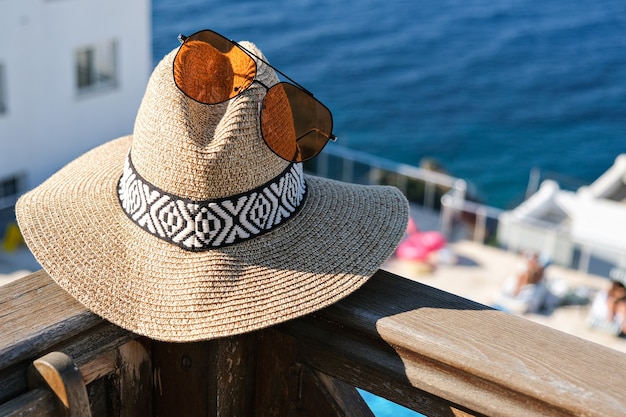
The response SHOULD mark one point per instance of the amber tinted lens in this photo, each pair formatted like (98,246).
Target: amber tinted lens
(211,69)
(295,125)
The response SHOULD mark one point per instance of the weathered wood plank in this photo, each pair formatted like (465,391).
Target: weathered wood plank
(37,403)
(36,317)
(100,367)
(484,360)
(366,362)
(345,398)
(35,314)
(91,349)
(423,348)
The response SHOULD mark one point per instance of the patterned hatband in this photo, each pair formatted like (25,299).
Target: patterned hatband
(203,225)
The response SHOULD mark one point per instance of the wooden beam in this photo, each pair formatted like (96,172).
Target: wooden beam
(37,314)
(422,348)
(37,403)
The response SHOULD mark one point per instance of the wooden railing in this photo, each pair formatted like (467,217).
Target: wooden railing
(418,346)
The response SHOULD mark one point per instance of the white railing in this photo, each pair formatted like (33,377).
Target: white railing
(429,189)
(479,221)
(420,185)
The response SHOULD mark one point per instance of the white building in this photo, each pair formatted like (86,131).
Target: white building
(72,75)
(573,227)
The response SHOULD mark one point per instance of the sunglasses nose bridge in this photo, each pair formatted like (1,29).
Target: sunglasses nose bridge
(265,87)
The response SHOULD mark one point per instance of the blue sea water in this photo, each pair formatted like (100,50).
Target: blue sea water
(488,88)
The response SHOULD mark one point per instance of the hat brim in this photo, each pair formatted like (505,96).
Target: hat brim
(75,227)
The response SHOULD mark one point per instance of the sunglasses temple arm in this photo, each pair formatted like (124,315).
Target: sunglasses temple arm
(273,67)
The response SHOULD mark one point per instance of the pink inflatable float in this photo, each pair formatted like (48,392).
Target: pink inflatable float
(418,245)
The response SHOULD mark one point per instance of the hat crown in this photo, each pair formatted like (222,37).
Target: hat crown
(199,151)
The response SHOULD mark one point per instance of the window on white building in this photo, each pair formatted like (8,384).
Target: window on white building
(10,189)
(3,90)
(96,66)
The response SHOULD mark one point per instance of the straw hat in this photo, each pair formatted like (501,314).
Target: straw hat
(115,227)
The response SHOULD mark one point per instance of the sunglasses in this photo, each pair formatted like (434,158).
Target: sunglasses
(212,69)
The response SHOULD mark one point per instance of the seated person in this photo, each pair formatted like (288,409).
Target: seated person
(608,311)
(531,275)
(526,291)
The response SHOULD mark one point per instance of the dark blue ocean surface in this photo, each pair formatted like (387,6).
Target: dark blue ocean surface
(489,89)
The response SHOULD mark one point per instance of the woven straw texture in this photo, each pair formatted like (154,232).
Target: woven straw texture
(74,225)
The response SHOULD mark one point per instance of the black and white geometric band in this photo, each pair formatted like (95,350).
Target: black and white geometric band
(203,225)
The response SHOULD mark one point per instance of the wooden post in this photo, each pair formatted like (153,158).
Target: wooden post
(134,368)
(213,378)
(58,371)
(256,374)
(286,387)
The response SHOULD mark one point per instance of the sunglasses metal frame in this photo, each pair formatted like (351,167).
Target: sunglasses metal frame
(331,137)
(182,38)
